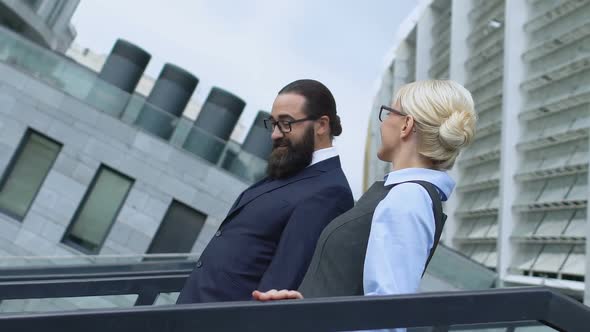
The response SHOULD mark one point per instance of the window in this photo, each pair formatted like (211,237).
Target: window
(26,172)
(98,211)
(178,231)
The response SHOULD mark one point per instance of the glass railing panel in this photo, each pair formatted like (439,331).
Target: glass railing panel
(67,303)
(48,67)
(536,328)
(76,80)
(166,298)
(229,154)
(38,267)
(183,128)
(244,165)
(444,266)
(108,98)
(156,121)
(204,145)
(525,326)
(133,109)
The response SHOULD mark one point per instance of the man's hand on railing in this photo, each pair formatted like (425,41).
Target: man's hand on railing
(273,295)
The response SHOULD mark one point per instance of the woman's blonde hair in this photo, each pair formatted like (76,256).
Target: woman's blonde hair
(444,117)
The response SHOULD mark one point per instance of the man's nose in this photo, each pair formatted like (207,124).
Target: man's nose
(276,133)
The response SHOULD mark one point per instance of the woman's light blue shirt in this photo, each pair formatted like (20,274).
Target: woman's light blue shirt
(402,232)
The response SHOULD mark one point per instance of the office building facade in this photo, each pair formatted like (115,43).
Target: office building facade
(520,205)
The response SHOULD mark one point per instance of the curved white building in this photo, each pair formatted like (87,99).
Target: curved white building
(520,206)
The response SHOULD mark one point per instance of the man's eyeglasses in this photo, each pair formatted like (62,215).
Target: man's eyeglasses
(284,125)
(385,111)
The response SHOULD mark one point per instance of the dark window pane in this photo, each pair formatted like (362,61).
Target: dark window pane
(26,173)
(179,230)
(99,209)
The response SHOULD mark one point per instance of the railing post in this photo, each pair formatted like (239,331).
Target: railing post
(147,297)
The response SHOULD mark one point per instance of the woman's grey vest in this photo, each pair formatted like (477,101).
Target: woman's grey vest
(336,268)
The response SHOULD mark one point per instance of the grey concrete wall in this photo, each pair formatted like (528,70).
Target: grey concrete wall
(90,138)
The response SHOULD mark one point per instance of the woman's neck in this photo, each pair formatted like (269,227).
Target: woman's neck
(409,159)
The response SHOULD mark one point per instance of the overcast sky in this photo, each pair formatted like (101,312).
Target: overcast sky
(254,47)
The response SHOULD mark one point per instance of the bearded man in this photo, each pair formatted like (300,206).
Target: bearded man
(268,237)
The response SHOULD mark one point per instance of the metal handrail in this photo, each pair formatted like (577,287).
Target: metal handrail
(441,310)
(151,268)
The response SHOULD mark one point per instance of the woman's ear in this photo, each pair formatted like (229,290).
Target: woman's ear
(408,127)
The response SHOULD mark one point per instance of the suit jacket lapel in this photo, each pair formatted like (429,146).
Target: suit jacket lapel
(239,199)
(262,188)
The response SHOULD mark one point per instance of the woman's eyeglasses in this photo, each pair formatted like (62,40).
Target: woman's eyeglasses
(385,111)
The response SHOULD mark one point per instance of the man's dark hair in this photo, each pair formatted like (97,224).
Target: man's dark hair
(318,101)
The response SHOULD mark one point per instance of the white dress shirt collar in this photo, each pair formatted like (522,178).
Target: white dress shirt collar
(323,154)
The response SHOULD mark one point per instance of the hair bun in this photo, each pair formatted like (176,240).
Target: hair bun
(457,130)
(336,127)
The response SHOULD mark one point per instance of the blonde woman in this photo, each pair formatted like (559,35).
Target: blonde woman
(382,246)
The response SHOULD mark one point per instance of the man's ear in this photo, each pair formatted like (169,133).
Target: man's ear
(322,125)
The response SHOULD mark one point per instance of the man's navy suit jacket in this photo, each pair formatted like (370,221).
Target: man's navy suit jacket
(269,235)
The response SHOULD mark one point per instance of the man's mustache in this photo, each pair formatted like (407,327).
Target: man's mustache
(281,142)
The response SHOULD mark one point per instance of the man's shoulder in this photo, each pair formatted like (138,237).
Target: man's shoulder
(333,178)
(326,183)
(329,181)
(330,184)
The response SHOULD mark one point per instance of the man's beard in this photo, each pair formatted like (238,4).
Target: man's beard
(288,158)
